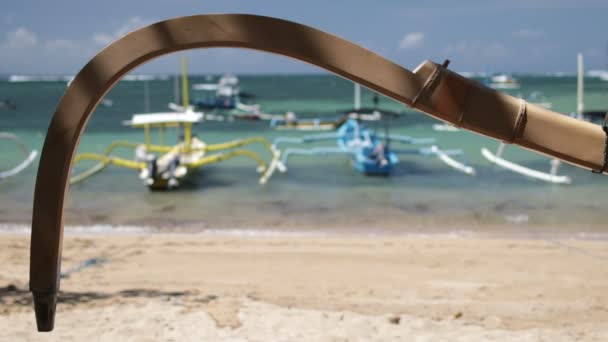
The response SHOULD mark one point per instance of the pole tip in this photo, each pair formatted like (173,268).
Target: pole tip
(44,307)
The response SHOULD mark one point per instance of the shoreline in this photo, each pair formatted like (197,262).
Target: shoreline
(497,232)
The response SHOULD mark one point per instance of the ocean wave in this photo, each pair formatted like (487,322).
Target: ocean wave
(69,78)
(255,232)
(108,229)
(39,78)
(17,228)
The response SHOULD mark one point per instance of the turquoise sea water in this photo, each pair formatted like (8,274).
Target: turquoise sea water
(317,193)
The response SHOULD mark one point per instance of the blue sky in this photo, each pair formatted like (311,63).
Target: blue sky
(60,36)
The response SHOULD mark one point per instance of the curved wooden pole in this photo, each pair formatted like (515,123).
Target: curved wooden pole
(431,88)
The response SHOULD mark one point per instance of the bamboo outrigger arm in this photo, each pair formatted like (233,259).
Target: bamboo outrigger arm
(430,88)
(29,156)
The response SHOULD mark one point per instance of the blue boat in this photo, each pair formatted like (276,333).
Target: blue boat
(370,152)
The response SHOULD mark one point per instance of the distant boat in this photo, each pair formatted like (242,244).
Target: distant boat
(291,121)
(503,81)
(228,95)
(8,104)
(539,98)
(601,74)
(595,116)
(107,102)
(445,127)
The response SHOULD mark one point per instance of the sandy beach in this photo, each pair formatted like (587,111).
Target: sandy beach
(194,287)
(377,223)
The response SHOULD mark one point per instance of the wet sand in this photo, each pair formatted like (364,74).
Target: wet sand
(324,288)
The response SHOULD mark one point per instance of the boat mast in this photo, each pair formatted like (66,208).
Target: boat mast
(357,103)
(580,105)
(176,89)
(186,105)
(146,97)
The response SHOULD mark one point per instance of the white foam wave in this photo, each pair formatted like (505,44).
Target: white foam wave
(16,228)
(69,78)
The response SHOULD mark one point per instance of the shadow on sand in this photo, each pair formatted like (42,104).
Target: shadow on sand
(12,295)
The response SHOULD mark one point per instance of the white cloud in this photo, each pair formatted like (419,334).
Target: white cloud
(42,53)
(60,44)
(528,33)
(21,38)
(411,40)
(102,38)
(131,24)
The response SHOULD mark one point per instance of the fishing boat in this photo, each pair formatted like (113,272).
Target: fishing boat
(227,96)
(503,81)
(8,104)
(162,166)
(291,121)
(28,155)
(595,116)
(371,153)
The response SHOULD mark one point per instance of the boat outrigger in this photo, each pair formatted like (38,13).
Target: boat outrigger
(161,166)
(29,156)
(551,176)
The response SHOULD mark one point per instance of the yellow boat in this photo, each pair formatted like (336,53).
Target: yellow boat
(162,166)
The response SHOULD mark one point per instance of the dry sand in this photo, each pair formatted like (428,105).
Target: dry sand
(195,287)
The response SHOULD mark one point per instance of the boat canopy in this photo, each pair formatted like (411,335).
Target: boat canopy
(164,118)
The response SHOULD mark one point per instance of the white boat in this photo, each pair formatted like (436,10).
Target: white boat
(228,96)
(503,81)
(445,127)
(601,74)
